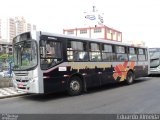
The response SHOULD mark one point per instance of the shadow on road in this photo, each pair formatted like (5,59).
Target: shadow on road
(46,97)
(117,85)
(60,95)
(154,75)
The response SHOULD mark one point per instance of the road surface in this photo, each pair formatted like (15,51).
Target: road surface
(141,97)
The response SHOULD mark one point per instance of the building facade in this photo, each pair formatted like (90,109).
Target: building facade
(136,42)
(100,32)
(6,48)
(7,30)
(10,27)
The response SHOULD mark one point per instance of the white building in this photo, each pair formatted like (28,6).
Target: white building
(7,29)
(100,32)
(10,27)
(135,42)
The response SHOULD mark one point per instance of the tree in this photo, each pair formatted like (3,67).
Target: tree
(5,58)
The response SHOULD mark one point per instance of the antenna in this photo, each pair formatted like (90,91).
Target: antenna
(94,17)
(94,8)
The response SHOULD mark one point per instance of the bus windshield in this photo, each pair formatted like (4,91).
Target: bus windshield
(25,55)
(154,58)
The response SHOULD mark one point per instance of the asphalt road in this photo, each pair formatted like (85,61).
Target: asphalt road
(141,97)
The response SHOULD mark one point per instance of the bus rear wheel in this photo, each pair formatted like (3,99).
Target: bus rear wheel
(130,78)
(74,86)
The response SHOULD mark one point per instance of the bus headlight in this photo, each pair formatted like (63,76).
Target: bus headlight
(31,80)
(158,67)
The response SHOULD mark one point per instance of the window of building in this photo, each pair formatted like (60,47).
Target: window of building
(70,32)
(83,31)
(108,31)
(10,49)
(97,30)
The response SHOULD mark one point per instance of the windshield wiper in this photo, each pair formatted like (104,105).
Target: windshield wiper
(154,59)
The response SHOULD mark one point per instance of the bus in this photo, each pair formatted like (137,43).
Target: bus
(48,62)
(154,60)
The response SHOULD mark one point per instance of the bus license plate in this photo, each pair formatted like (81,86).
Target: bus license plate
(20,85)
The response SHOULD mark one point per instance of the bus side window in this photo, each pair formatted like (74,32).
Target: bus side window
(94,53)
(121,53)
(141,54)
(108,53)
(77,51)
(146,54)
(132,54)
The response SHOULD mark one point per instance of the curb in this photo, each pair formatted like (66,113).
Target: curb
(15,95)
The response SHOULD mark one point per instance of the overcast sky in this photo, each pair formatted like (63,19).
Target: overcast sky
(136,19)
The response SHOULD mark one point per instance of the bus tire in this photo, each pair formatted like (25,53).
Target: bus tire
(130,78)
(74,86)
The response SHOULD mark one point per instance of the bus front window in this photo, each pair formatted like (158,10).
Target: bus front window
(50,53)
(25,55)
(154,58)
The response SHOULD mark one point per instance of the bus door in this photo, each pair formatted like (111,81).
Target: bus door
(141,68)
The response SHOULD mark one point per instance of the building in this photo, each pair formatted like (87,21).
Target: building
(100,32)
(7,29)
(22,26)
(10,27)
(136,42)
(6,48)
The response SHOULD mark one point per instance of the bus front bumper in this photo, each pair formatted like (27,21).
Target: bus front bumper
(154,71)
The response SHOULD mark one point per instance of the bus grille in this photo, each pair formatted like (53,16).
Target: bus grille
(21,74)
(22,80)
(22,87)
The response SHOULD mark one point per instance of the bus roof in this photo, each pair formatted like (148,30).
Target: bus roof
(83,38)
(154,49)
(88,39)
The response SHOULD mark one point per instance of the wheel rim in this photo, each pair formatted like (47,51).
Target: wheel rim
(75,86)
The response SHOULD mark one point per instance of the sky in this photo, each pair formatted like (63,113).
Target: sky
(136,19)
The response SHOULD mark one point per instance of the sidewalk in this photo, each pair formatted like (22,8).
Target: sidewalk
(9,92)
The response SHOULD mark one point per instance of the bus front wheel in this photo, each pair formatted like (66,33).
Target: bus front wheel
(130,78)
(74,86)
